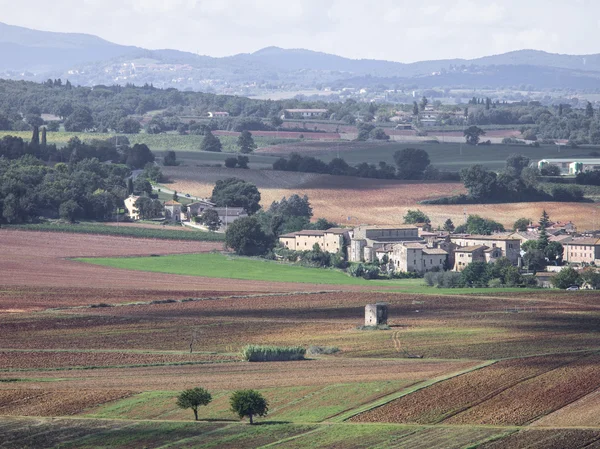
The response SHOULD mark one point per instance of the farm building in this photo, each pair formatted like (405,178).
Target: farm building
(173,211)
(509,246)
(464,256)
(365,241)
(417,257)
(331,240)
(571,166)
(132,211)
(218,114)
(196,208)
(303,113)
(228,215)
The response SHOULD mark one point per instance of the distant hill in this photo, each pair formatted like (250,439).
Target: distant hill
(90,60)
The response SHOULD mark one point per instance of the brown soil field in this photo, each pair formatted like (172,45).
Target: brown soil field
(12,360)
(372,201)
(543,394)
(238,375)
(59,402)
(38,260)
(584,412)
(432,404)
(547,439)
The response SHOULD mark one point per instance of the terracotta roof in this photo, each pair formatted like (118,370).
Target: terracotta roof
(545,274)
(172,203)
(469,249)
(388,228)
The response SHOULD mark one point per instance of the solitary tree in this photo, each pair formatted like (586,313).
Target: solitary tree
(210,142)
(210,219)
(416,216)
(175,196)
(449,225)
(521,224)
(246,237)
(411,163)
(170,159)
(415,108)
(246,142)
(194,398)
(472,134)
(248,403)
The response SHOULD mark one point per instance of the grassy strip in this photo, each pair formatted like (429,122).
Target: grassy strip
(419,386)
(127,231)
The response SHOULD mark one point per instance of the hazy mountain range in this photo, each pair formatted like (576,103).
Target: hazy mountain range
(89,60)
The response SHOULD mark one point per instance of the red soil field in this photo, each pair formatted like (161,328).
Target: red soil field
(547,439)
(227,376)
(432,404)
(39,259)
(62,359)
(59,402)
(537,397)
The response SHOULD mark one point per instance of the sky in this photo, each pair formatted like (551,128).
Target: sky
(395,30)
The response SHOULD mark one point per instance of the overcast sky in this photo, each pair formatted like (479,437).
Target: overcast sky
(396,30)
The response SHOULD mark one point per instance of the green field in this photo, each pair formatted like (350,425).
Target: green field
(169,233)
(156,142)
(447,156)
(232,267)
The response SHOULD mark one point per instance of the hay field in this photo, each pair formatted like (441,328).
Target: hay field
(374,201)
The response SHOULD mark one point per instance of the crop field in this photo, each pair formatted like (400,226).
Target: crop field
(381,201)
(94,356)
(515,392)
(444,155)
(156,142)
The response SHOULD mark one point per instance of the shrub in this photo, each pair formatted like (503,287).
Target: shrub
(255,353)
(319,350)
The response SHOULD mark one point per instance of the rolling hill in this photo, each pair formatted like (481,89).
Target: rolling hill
(89,60)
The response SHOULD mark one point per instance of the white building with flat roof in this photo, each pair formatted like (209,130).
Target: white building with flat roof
(571,166)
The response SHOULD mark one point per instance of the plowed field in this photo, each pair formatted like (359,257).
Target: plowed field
(55,402)
(547,439)
(446,399)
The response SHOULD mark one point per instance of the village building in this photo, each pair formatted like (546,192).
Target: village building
(228,215)
(173,211)
(544,279)
(197,208)
(417,257)
(365,241)
(582,251)
(463,256)
(331,240)
(510,246)
(303,113)
(132,211)
(571,166)
(218,114)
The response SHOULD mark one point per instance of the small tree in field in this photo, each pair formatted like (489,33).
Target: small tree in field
(193,399)
(248,403)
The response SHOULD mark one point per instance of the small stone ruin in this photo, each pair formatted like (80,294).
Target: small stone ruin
(376,314)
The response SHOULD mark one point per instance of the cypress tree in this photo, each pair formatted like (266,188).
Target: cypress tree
(35,137)
(44,136)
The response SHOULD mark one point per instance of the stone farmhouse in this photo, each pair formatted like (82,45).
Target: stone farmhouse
(417,257)
(173,211)
(510,246)
(582,250)
(331,241)
(463,256)
(228,215)
(365,241)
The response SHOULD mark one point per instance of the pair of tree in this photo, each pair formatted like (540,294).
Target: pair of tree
(240,161)
(243,403)
(411,163)
(234,192)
